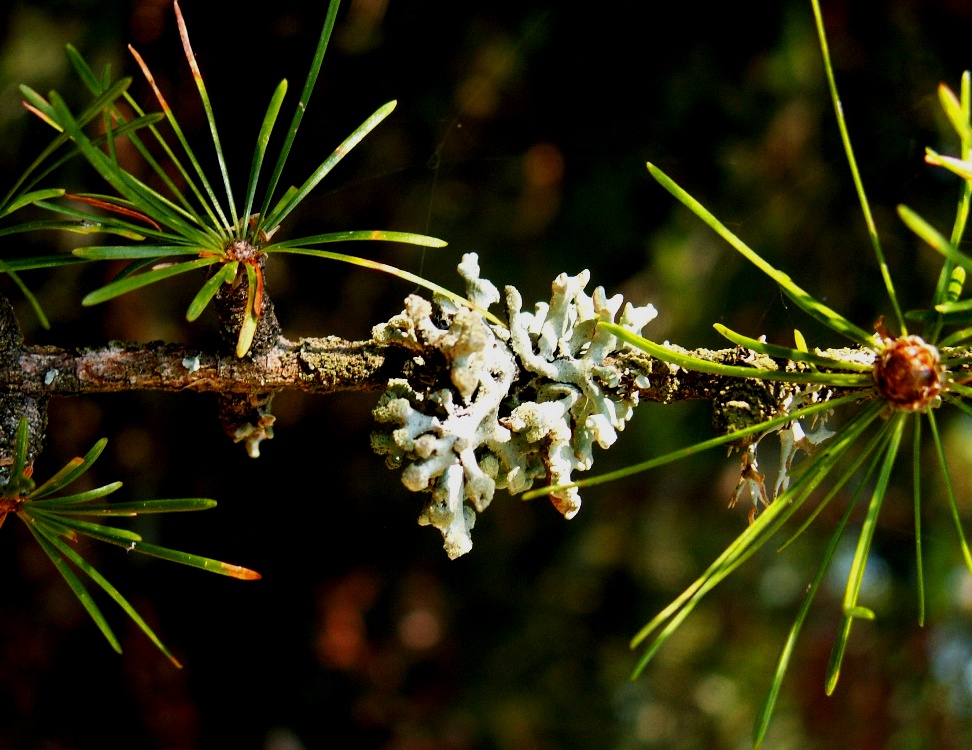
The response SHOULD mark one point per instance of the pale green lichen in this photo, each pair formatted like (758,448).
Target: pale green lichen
(521,404)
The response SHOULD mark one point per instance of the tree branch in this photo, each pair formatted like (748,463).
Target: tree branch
(313,365)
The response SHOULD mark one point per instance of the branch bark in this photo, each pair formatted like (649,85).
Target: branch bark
(311,365)
(314,365)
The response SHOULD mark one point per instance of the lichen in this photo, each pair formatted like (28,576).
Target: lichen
(502,408)
(794,437)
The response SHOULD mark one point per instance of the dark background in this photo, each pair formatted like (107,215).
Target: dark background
(521,133)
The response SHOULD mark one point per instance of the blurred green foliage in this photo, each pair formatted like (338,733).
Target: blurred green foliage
(521,133)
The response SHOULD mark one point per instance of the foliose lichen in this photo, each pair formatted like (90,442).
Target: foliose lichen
(488,407)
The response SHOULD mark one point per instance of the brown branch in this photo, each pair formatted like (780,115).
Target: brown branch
(325,365)
(331,365)
(312,365)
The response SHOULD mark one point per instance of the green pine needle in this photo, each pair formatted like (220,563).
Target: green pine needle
(57,522)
